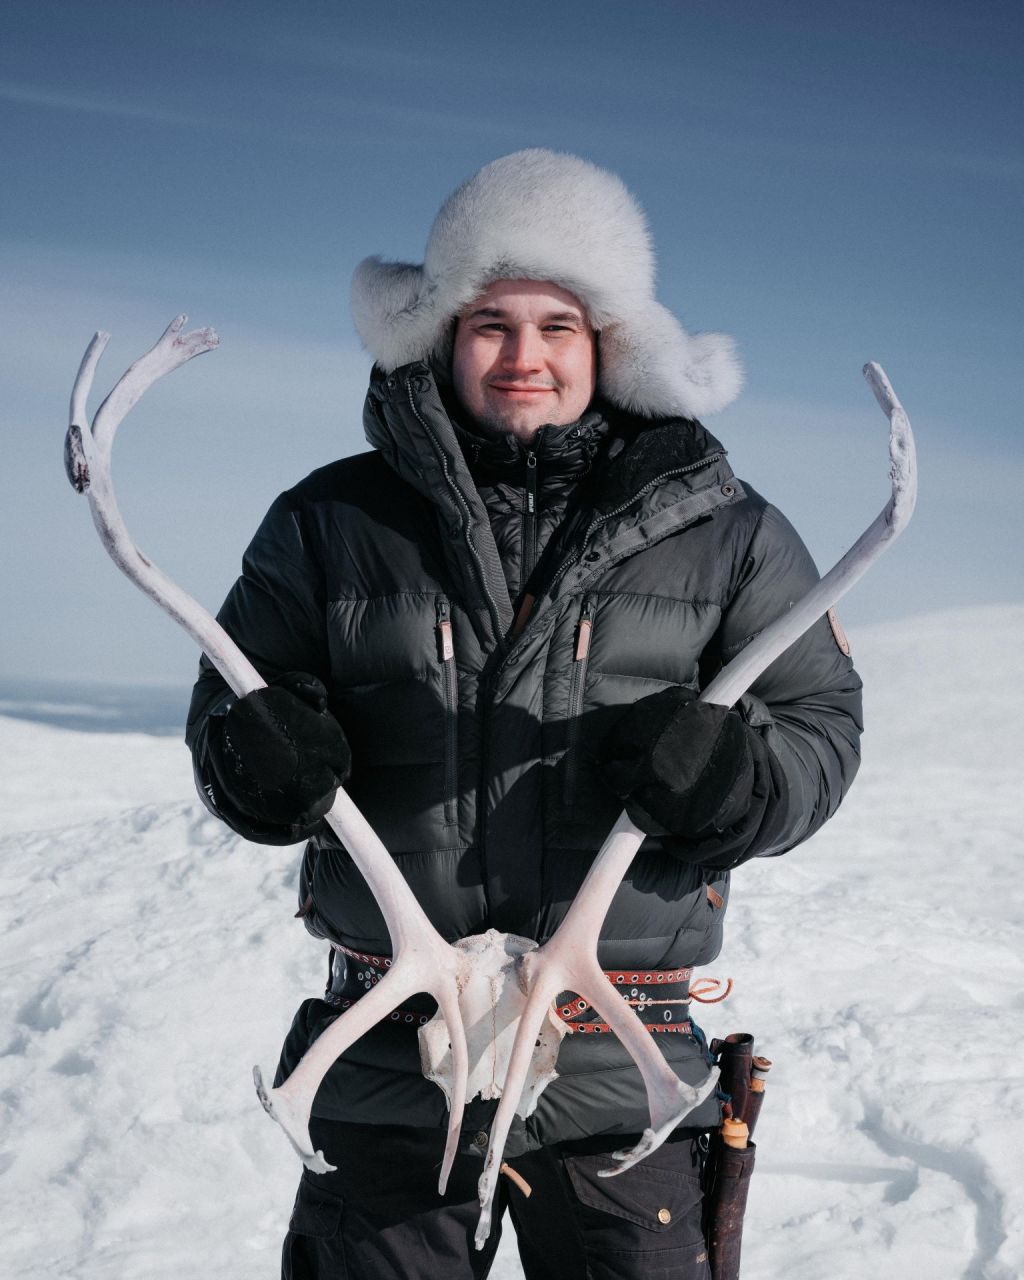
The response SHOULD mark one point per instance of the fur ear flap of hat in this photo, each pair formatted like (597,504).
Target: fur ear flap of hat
(542,215)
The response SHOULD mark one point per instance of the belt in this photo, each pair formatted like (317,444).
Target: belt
(659,996)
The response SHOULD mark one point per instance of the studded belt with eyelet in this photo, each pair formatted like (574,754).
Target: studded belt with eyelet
(661,998)
(361,971)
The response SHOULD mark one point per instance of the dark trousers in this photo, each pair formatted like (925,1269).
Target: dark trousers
(379,1217)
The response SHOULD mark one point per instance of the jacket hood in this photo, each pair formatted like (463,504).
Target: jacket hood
(543,215)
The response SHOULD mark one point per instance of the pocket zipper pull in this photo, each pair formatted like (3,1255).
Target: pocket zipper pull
(583,632)
(445,643)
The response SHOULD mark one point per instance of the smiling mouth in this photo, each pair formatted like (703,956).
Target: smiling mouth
(521,391)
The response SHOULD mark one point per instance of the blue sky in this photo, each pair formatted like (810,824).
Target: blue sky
(828,183)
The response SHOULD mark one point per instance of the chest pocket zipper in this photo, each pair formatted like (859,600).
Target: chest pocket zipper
(450,683)
(577,685)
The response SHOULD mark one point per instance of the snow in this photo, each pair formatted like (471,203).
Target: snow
(150,958)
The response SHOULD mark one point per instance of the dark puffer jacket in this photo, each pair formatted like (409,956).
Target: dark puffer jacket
(392,575)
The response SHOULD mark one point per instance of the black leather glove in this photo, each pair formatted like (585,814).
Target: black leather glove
(685,768)
(280,755)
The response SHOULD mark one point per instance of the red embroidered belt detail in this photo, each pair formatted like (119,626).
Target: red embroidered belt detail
(643,990)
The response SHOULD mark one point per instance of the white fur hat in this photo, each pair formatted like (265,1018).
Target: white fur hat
(542,215)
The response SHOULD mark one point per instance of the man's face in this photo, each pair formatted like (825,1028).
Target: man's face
(524,356)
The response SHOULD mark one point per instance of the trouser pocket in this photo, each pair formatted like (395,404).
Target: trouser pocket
(378,1216)
(645,1222)
(313,1248)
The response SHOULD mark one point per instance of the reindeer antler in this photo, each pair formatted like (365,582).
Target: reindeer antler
(568,960)
(422,961)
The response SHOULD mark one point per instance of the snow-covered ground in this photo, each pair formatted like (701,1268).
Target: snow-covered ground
(149,958)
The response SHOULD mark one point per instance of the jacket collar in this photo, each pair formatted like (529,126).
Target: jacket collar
(407,416)
(649,469)
(563,451)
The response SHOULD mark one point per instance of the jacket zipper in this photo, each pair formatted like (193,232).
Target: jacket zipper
(466,521)
(449,678)
(577,685)
(529,519)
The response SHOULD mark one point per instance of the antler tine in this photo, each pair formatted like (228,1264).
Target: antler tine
(568,960)
(448,1002)
(736,678)
(423,961)
(543,988)
(901,449)
(169,352)
(78,414)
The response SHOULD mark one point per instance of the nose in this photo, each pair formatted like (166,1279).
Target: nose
(522,351)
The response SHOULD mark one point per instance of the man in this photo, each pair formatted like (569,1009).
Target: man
(503,614)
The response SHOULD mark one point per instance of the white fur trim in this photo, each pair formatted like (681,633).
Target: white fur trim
(541,215)
(651,365)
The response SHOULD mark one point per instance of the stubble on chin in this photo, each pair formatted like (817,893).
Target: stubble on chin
(503,424)
(495,420)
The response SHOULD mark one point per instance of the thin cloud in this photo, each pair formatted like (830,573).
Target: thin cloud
(332,52)
(27,95)
(400,122)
